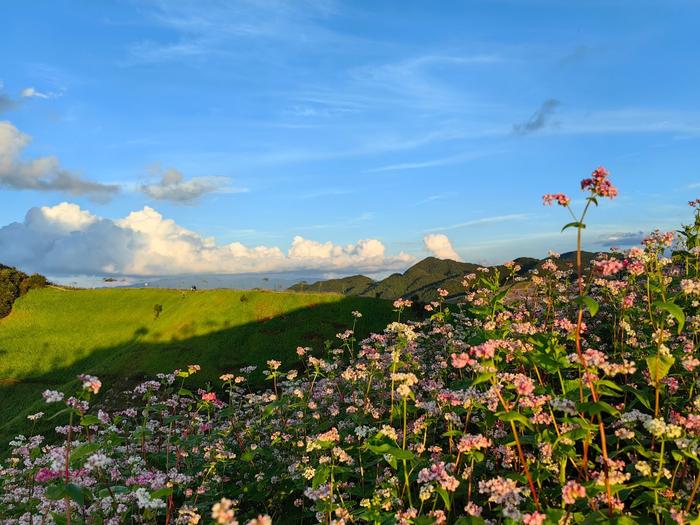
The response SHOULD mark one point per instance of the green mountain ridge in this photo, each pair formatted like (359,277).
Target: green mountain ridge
(421,281)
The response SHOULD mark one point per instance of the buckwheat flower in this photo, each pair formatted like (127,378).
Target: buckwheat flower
(35,417)
(273,364)
(188,516)
(356,314)
(598,184)
(403,390)
(472,442)
(52,396)
(227,377)
(643,468)
(145,501)
(472,509)
(389,432)
(560,198)
(209,396)
(609,267)
(572,491)
(460,360)
(402,303)
(536,518)
(224,513)
(426,492)
(97,461)
(442,292)
(90,383)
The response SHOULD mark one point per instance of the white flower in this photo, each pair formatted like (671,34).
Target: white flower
(52,396)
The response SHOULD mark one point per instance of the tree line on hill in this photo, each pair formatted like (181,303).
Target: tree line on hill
(14,284)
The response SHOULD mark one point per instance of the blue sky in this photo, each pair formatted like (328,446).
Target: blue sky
(261,121)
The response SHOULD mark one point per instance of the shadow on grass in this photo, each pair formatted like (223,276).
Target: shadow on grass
(221,350)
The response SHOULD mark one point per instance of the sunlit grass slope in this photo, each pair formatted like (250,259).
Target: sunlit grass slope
(53,334)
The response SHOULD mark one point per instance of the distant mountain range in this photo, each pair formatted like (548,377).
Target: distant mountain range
(421,281)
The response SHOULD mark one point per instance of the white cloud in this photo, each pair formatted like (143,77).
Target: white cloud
(483,220)
(30,92)
(66,240)
(43,173)
(440,246)
(173,187)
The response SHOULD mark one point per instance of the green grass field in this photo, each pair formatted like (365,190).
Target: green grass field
(53,334)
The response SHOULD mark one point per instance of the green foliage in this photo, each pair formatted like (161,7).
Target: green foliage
(14,284)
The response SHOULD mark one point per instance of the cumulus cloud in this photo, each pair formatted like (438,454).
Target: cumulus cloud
(539,118)
(43,173)
(173,187)
(67,240)
(440,246)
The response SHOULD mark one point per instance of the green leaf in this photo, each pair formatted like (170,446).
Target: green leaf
(591,304)
(160,493)
(574,225)
(88,420)
(380,449)
(597,408)
(55,491)
(399,453)
(321,476)
(83,450)
(483,378)
(76,493)
(673,309)
(514,416)
(659,366)
(185,393)
(445,497)
(59,518)
(248,455)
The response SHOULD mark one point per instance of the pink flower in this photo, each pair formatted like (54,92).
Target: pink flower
(460,360)
(90,383)
(46,474)
(635,267)
(571,492)
(536,518)
(473,442)
(562,200)
(599,184)
(609,267)
(209,396)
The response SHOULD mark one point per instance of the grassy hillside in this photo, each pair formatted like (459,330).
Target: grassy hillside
(54,334)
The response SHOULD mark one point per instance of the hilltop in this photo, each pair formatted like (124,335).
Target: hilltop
(53,334)
(421,280)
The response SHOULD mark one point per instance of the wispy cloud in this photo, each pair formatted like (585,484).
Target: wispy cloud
(207,28)
(353,221)
(444,161)
(539,119)
(483,220)
(324,193)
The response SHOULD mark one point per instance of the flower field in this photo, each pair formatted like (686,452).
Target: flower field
(575,402)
